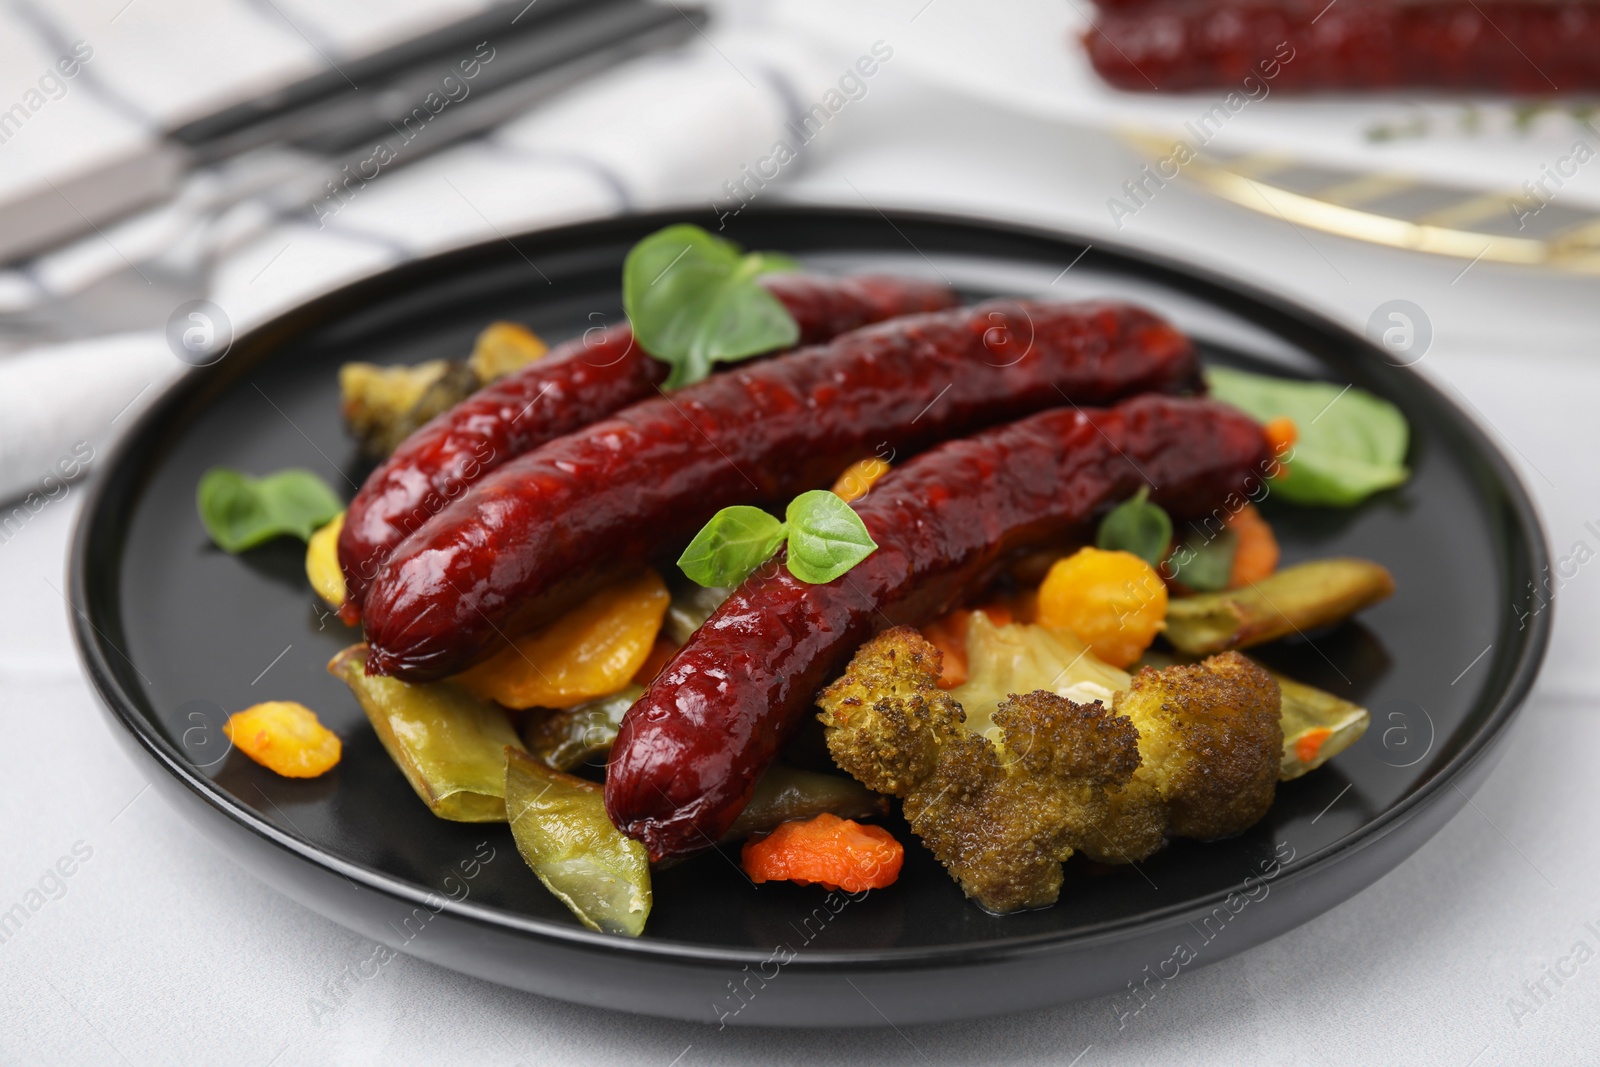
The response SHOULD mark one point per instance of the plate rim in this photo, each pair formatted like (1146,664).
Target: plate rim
(126,462)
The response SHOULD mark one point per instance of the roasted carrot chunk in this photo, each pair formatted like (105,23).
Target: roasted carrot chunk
(1114,602)
(1281,434)
(1255,555)
(827,851)
(949,635)
(285,738)
(1310,743)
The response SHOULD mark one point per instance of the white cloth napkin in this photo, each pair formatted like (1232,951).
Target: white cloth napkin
(662,129)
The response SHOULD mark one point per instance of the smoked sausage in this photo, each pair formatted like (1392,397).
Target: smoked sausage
(534,537)
(692,747)
(580,382)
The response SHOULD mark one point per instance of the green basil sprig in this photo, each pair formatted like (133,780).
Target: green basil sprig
(734,543)
(1142,527)
(1349,444)
(1205,564)
(240,512)
(692,300)
(1136,525)
(825,537)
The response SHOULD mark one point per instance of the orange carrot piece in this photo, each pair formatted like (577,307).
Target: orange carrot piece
(1281,434)
(1310,743)
(1256,554)
(1024,606)
(828,851)
(999,613)
(949,636)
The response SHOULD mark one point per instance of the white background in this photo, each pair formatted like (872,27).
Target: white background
(162,951)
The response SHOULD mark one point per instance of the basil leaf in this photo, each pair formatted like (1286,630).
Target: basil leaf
(826,537)
(735,542)
(1350,444)
(240,512)
(693,300)
(1202,565)
(1136,526)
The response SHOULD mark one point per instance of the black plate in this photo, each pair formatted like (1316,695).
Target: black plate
(173,631)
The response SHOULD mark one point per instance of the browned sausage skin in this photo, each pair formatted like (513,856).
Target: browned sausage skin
(543,531)
(1255,47)
(691,749)
(579,383)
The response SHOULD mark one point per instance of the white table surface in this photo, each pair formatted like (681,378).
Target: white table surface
(161,951)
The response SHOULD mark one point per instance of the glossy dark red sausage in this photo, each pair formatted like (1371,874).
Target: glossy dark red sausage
(690,750)
(580,382)
(545,530)
(1512,46)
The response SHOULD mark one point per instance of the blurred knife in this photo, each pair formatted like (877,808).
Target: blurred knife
(538,48)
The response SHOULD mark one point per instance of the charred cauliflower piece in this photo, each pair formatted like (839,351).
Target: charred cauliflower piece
(1135,826)
(1003,818)
(1190,751)
(886,717)
(382,406)
(1210,739)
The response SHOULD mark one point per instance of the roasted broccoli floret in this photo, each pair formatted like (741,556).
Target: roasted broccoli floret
(1003,818)
(886,717)
(1189,751)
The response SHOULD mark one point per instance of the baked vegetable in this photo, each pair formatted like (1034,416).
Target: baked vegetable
(1114,602)
(565,740)
(785,794)
(1002,809)
(857,479)
(1022,657)
(590,652)
(1210,743)
(825,850)
(1003,815)
(284,737)
(1317,726)
(944,522)
(547,529)
(322,562)
(1292,601)
(886,718)
(447,742)
(560,826)
(689,610)
(1187,751)
(580,382)
(1255,553)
